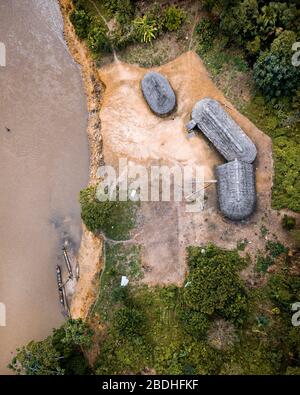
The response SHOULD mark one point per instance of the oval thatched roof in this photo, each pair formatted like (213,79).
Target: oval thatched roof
(228,138)
(158,93)
(236,189)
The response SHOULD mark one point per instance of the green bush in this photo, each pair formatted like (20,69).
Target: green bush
(72,360)
(114,218)
(214,287)
(252,21)
(77,333)
(37,358)
(128,321)
(145,28)
(98,40)
(288,222)
(58,354)
(173,18)
(275,248)
(263,263)
(275,75)
(124,11)
(206,32)
(195,323)
(81,22)
(284,290)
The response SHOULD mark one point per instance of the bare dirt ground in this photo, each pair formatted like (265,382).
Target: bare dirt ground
(130,130)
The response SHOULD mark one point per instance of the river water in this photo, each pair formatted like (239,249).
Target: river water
(44,162)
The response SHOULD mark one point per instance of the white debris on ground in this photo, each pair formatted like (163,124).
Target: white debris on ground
(124,281)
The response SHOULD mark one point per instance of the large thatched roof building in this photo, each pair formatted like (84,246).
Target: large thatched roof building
(236,189)
(225,134)
(158,93)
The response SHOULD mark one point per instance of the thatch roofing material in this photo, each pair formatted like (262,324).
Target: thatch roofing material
(236,189)
(158,93)
(228,138)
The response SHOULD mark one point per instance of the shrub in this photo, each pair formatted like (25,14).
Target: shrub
(240,22)
(206,32)
(275,75)
(121,37)
(283,290)
(263,263)
(195,323)
(145,29)
(282,45)
(37,358)
(251,20)
(114,218)
(214,286)
(79,4)
(288,222)
(58,354)
(81,22)
(173,18)
(124,11)
(253,47)
(128,321)
(78,333)
(275,249)
(98,40)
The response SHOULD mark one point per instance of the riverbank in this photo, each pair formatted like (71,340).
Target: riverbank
(90,258)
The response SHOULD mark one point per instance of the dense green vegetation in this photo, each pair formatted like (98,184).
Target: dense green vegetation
(114,218)
(61,353)
(217,326)
(131,24)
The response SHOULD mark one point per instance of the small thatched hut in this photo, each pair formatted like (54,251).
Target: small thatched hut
(228,138)
(158,93)
(236,189)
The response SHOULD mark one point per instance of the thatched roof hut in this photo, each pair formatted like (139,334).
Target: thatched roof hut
(226,135)
(158,93)
(236,189)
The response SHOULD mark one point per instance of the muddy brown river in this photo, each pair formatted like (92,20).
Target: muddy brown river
(44,162)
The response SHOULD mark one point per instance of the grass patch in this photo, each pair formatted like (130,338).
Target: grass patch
(279,121)
(242,244)
(120,260)
(114,218)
